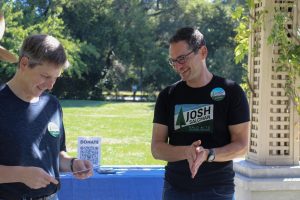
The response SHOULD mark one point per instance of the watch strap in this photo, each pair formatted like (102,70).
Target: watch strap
(211,155)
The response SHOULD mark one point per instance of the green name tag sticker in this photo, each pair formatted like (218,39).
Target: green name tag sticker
(53,129)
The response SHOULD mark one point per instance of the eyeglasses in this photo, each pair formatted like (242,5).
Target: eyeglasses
(180,59)
(183,58)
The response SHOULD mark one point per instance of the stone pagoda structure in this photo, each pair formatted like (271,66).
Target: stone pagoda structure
(271,169)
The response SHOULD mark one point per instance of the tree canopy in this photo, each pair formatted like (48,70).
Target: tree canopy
(114,44)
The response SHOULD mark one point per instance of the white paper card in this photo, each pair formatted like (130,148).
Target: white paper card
(89,148)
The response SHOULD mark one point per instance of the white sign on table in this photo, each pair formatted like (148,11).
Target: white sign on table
(89,148)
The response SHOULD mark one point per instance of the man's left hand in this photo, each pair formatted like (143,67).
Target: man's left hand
(200,158)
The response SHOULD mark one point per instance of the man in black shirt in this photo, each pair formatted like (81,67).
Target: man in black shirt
(201,124)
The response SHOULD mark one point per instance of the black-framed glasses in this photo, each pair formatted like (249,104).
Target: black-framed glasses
(180,59)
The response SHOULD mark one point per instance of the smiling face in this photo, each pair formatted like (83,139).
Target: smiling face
(190,69)
(187,55)
(38,79)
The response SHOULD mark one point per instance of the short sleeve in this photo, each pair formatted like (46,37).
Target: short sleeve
(238,106)
(161,110)
(62,145)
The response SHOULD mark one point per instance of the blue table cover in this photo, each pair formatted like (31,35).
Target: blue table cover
(128,183)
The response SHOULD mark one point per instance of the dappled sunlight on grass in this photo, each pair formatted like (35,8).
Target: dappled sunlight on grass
(125,130)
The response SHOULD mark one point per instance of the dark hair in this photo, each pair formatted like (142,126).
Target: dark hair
(192,36)
(43,48)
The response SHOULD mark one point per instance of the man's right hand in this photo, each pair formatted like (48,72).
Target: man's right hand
(195,157)
(35,177)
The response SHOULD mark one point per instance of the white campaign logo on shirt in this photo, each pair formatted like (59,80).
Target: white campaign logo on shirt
(218,94)
(196,116)
(53,129)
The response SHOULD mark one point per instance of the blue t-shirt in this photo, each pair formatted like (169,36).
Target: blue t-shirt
(201,114)
(31,134)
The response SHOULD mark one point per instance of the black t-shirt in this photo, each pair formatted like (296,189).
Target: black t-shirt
(31,134)
(201,114)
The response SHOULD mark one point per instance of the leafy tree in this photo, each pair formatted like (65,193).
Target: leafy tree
(135,31)
(24,18)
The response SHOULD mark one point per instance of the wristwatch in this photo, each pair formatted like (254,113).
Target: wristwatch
(211,155)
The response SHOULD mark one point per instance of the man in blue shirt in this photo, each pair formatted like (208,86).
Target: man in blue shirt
(32,136)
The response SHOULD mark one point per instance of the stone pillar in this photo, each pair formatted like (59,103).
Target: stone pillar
(260,182)
(271,169)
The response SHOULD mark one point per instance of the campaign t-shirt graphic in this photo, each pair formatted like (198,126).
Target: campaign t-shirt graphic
(193,118)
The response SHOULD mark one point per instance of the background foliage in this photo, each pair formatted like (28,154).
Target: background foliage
(282,35)
(113,44)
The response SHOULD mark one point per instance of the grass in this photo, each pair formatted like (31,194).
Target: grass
(125,129)
(128,93)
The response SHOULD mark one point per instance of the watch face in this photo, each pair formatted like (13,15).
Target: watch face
(211,158)
(211,155)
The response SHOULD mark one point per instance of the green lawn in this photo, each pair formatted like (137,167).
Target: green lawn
(125,129)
